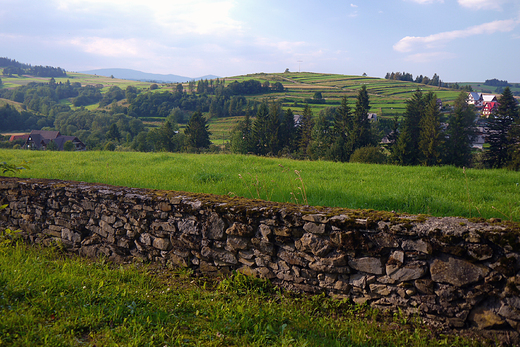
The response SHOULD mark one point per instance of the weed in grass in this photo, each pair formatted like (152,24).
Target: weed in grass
(14,169)
(259,188)
(467,192)
(300,188)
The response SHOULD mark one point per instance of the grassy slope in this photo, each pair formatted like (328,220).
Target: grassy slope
(439,191)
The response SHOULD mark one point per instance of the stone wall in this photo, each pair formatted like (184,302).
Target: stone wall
(449,271)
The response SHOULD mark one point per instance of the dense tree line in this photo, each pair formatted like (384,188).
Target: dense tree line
(12,120)
(423,136)
(434,81)
(12,67)
(496,83)
(335,135)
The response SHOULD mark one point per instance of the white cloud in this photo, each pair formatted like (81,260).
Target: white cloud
(409,43)
(176,16)
(352,5)
(483,4)
(108,47)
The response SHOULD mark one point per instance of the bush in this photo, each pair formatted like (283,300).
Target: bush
(368,155)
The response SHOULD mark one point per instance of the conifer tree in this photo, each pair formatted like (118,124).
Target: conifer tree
(461,133)
(361,135)
(431,138)
(406,149)
(342,128)
(260,129)
(306,126)
(273,128)
(241,138)
(321,139)
(287,131)
(498,134)
(197,133)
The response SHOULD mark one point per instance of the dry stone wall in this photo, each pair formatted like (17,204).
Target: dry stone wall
(449,271)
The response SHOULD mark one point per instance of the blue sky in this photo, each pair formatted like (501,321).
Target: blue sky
(460,40)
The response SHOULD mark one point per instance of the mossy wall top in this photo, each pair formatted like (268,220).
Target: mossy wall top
(449,271)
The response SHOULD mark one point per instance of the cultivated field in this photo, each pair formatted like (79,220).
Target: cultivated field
(438,191)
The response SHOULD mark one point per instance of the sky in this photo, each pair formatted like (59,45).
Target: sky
(459,40)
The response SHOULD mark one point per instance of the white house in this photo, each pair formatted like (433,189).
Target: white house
(475,98)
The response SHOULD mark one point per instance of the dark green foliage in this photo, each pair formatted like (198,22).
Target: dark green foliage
(52,146)
(12,120)
(405,151)
(361,135)
(241,137)
(498,135)
(11,67)
(368,155)
(113,133)
(197,133)
(321,138)
(114,94)
(305,131)
(287,132)
(431,138)
(68,146)
(341,148)
(87,96)
(461,133)
(260,127)
(496,83)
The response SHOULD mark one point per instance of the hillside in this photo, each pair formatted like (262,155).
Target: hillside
(387,97)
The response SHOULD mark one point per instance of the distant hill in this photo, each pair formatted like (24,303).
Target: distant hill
(134,75)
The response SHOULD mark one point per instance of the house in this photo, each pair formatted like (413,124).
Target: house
(40,139)
(489,108)
(487,98)
(475,98)
(372,117)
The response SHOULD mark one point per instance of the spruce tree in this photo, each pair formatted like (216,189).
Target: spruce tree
(461,133)
(287,131)
(321,139)
(197,133)
(431,138)
(260,129)
(361,135)
(306,126)
(241,137)
(273,128)
(498,134)
(406,149)
(341,130)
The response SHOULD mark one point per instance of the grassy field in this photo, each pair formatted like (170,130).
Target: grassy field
(438,191)
(48,299)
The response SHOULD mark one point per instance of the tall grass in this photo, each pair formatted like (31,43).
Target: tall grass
(438,191)
(47,299)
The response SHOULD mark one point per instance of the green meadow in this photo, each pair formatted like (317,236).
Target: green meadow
(50,299)
(437,191)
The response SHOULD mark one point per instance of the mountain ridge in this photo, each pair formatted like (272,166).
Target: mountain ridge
(135,75)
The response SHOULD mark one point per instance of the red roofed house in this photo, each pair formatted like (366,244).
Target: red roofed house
(489,108)
(19,137)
